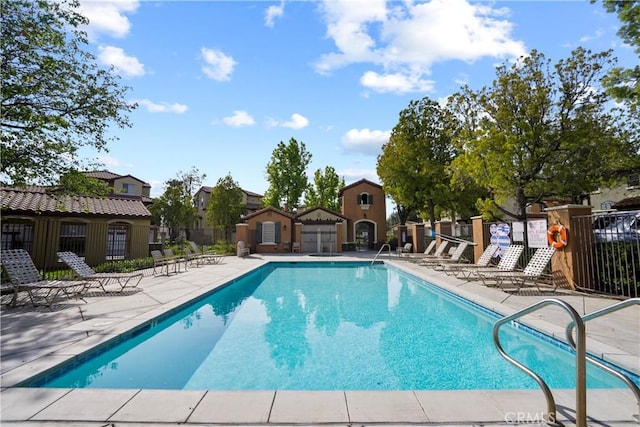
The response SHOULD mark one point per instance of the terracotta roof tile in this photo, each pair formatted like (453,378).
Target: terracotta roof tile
(36,199)
(106,175)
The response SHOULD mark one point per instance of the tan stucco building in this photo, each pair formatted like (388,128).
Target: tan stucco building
(361,224)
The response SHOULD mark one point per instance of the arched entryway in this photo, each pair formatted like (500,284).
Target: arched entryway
(365,234)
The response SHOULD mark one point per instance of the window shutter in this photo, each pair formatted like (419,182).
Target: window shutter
(258,232)
(359,199)
(277,232)
(370,199)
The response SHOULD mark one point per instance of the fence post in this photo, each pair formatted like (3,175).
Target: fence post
(444,228)
(417,230)
(565,262)
(242,233)
(401,234)
(477,226)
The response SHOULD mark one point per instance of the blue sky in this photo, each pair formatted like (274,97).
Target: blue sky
(220,83)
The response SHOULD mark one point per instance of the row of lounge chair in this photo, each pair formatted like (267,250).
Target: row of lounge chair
(168,262)
(26,284)
(504,275)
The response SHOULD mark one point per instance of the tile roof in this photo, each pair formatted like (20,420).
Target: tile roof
(106,175)
(207,189)
(37,200)
(269,208)
(102,175)
(252,194)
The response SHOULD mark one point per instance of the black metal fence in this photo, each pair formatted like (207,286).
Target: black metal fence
(608,259)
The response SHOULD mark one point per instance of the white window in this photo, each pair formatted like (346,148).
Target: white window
(268,232)
(128,188)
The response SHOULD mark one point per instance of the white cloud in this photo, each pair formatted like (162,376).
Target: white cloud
(395,82)
(297,121)
(108,17)
(217,65)
(163,107)
(406,39)
(129,66)
(272,13)
(596,35)
(111,162)
(365,141)
(353,175)
(238,119)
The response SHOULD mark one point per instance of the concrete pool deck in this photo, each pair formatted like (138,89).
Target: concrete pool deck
(36,339)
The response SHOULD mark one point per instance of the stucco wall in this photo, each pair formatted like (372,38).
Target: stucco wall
(376,212)
(286,231)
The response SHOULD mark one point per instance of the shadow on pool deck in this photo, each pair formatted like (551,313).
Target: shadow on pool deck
(34,340)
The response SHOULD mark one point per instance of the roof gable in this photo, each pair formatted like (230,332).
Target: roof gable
(269,208)
(357,183)
(106,175)
(320,209)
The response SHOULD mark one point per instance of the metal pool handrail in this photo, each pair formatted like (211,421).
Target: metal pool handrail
(581,369)
(598,313)
(381,248)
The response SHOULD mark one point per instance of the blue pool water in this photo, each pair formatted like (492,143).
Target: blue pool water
(325,326)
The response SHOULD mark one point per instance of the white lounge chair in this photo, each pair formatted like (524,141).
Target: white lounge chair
(85,272)
(482,262)
(25,278)
(457,257)
(438,253)
(508,262)
(406,249)
(533,273)
(427,251)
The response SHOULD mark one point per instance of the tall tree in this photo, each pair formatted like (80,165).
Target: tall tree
(225,206)
(191,180)
(624,83)
(174,208)
(413,164)
(55,98)
(287,175)
(324,189)
(539,131)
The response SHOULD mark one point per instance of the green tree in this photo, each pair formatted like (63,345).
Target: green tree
(324,190)
(287,175)
(539,131)
(623,83)
(174,208)
(413,164)
(191,180)
(225,206)
(55,98)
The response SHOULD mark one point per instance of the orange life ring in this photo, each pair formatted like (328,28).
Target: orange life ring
(551,236)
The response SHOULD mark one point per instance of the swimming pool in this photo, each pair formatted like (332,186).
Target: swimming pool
(323,326)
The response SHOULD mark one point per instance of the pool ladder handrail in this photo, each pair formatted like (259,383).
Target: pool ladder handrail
(381,248)
(594,315)
(581,369)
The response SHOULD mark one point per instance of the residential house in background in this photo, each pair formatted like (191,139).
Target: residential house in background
(615,197)
(364,206)
(361,224)
(98,229)
(124,184)
(203,232)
